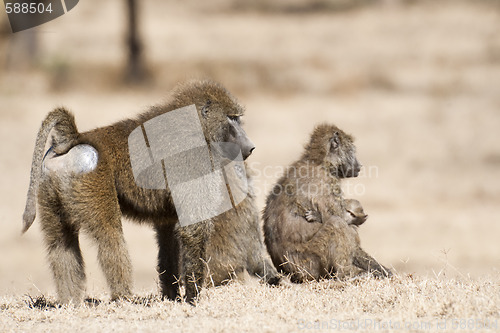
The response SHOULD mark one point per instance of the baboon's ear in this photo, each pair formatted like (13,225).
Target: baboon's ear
(334,141)
(204,109)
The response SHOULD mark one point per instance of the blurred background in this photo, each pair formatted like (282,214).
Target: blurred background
(416,82)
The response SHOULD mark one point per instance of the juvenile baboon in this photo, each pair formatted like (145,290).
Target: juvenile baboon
(353,214)
(328,253)
(87,183)
(314,250)
(236,243)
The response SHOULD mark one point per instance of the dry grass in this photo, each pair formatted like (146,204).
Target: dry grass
(401,303)
(418,85)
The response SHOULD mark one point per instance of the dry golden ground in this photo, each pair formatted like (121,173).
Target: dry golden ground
(400,304)
(417,85)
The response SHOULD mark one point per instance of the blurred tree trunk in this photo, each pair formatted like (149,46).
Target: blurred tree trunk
(135,71)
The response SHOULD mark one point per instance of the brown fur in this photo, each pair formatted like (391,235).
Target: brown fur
(353,214)
(237,243)
(314,250)
(94,201)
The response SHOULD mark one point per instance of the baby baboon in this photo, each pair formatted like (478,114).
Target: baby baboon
(314,250)
(353,214)
(236,243)
(87,183)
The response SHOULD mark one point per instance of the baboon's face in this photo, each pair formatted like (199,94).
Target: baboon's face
(341,154)
(331,147)
(220,115)
(356,217)
(354,208)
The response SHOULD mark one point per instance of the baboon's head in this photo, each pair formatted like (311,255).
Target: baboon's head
(354,212)
(220,114)
(331,147)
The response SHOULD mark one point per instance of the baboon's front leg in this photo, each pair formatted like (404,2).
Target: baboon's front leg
(258,261)
(266,270)
(366,262)
(168,260)
(193,240)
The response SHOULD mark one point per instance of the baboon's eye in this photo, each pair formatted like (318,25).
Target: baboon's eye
(204,109)
(334,143)
(234,118)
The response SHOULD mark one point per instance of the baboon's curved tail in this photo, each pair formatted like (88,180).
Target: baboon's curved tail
(65,135)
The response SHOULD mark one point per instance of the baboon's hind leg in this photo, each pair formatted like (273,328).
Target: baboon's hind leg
(115,263)
(168,260)
(104,225)
(366,262)
(303,266)
(63,249)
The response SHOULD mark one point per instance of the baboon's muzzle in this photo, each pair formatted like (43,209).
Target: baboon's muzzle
(238,136)
(350,171)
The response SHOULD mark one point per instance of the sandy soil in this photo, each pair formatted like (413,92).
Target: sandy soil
(417,85)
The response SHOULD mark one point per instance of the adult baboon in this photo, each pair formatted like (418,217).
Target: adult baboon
(236,243)
(314,250)
(87,183)
(353,214)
